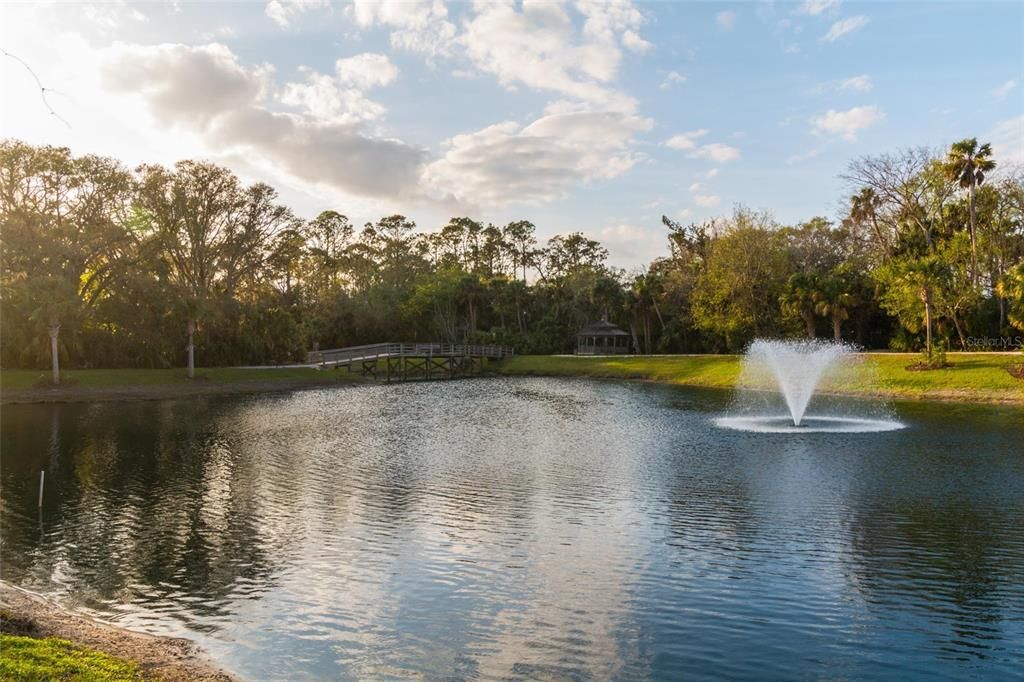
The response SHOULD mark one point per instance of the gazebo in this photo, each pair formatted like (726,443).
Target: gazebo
(602,338)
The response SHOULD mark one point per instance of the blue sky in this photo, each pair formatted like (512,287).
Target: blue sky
(578,116)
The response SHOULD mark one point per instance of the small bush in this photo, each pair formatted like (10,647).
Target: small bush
(1017,370)
(937,359)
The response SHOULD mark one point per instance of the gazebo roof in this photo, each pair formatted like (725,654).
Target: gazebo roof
(602,328)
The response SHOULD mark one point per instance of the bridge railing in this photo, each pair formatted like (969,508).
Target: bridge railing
(376,351)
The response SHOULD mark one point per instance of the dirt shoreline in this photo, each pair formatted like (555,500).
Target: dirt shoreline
(91,394)
(171,659)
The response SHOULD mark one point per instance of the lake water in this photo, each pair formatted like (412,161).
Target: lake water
(527,528)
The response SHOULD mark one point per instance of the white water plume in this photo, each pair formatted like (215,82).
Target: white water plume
(779,382)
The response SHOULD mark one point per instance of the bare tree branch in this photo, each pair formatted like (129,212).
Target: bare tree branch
(42,88)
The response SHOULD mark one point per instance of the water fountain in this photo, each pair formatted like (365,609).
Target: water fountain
(779,379)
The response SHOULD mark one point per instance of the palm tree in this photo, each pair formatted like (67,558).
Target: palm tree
(644,296)
(1011,287)
(922,278)
(834,300)
(800,297)
(966,165)
(864,207)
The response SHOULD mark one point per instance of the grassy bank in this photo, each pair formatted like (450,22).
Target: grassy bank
(20,379)
(972,377)
(29,660)
(40,640)
(128,384)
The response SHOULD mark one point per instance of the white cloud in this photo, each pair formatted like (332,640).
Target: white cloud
(707,200)
(847,123)
(632,41)
(697,187)
(844,27)
(726,20)
(711,173)
(325,100)
(860,83)
(816,7)
(1008,141)
(630,244)
(341,98)
(717,152)
(685,140)
(222,32)
(108,16)
(540,47)
(673,78)
(509,163)
(1003,90)
(416,25)
(366,70)
(283,11)
(191,84)
(203,90)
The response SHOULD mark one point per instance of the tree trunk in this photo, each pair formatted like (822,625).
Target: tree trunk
(837,329)
(883,242)
(657,311)
(54,329)
(191,349)
(959,332)
(647,335)
(809,323)
(636,341)
(926,296)
(974,245)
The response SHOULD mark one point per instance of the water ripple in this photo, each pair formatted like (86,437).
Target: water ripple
(525,529)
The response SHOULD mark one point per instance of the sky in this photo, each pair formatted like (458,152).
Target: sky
(578,116)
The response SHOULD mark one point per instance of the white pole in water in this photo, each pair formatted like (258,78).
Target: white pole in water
(42,478)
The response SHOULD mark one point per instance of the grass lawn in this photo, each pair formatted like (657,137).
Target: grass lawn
(25,659)
(104,378)
(973,377)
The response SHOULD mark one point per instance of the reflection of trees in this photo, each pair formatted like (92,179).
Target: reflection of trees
(141,512)
(379,538)
(957,562)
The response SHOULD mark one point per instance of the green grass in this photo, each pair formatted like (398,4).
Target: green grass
(110,378)
(714,371)
(25,659)
(973,377)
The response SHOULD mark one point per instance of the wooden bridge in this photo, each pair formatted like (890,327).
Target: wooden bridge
(409,361)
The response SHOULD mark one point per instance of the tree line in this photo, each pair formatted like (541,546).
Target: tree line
(103,266)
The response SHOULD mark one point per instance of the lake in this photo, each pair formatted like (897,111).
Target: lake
(527,528)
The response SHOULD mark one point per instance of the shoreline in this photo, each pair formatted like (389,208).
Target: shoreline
(138,392)
(171,659)
(952,398)
(973,378)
